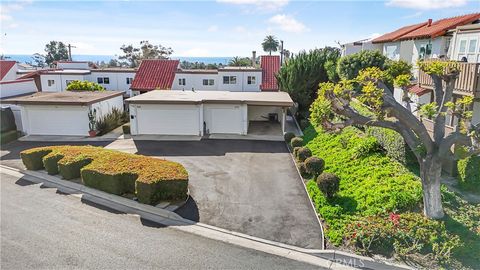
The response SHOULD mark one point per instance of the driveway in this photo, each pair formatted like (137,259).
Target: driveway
(251,187)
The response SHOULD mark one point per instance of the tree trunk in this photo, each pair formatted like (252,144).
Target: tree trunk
(430,173)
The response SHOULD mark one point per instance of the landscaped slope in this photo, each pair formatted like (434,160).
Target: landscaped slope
(377,209)
(112,171)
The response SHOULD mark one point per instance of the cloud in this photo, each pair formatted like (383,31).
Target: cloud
(6,10)
(288,23)
(413,15)
(196,52)
(261,5)
(213,28)
(240,29)
(426,4)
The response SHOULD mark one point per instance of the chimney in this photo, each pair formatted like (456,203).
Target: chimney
(429,22)
(254,58)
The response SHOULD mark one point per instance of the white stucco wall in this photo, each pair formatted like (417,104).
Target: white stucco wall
(60,81)
(11,74)
(466,37)
(15,88)
(118,80)
(195,81)
(104,107)
(392,50)
(260,113)
(241,85)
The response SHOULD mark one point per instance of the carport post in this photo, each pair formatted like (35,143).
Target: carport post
(284,115)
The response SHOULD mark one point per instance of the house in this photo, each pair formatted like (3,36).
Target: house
(358,46)
(14,88)
(166,75)
(465,44)
(63,113)
(201,113)
(57,79)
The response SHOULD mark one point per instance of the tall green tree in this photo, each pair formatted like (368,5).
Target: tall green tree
(301,74)
(133,55)
(240,62)
(270,44)
(337,107)
(55,51)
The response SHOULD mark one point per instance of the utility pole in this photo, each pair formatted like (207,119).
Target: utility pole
(281,52)
(70,51)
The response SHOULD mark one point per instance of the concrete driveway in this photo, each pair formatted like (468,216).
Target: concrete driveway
(250,187)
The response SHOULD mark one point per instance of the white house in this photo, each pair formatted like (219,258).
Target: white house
(358,46)
(203,113)
(16,88)
(465,44)
(63,113)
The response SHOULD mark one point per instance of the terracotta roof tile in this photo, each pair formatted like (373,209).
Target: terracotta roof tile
(5,67)
(270,65)
(418,90)
(389,37)
(440,27)
(155,74)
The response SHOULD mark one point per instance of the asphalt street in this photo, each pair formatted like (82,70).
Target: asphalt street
(43,228)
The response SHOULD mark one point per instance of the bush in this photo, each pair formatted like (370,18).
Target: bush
(296,142)
(112,171)
(393,144)
(314,165)
(8,136)
(84,86)
(349,66)
(329,184)
(295,151)
(126,129)
(469,173)
(303,153)
(304,123)
(365,147)
(303,170)
(111,121)
(288,136)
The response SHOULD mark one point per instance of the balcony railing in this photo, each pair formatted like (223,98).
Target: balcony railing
(467,84)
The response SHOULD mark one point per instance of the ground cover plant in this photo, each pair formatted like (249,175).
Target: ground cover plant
(150,179)
(377,209)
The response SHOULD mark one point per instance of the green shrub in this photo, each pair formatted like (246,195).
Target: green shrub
(366,147)
(8,136)
(112,171)
(296,142)
(469,173)
(84,86)
(304,123)
(303,153)
(295,151)
(393,144)
(329,184)
(126,129)
(303,170)
(288,136)
(314,165)
(349,66)
(111,121)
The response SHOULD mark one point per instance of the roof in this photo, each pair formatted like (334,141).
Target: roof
(62,98)
(389,37)
(196,71)
(418,90)
(155,74)
(281,99)
(440,27)
(5,66)
(17,81)
(270,65)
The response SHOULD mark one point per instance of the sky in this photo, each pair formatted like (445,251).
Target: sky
(209,28)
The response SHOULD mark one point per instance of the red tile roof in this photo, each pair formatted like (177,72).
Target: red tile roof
(418,90)
(5,67)
(389,37)
(155,74)
(440,27)
(270,65)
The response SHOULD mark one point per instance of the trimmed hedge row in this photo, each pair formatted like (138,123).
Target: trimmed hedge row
(151,179)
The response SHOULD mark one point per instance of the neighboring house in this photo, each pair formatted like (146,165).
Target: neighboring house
(465,44)
(15,88)
(166,75)
(358,46)
(57,79)
(64,113)
(8,70)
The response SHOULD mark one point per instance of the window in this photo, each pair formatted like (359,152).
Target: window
(463,46)
(229,79)
(472,45)
(391,51)
(103,80)
(67,82)
(51,82)
(251,80)
(129,80)
(181,81)
(424,51)
(208,82)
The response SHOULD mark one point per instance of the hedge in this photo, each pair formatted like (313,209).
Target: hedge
(469,173)
(151,179)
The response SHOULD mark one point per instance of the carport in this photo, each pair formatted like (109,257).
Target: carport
(200,113)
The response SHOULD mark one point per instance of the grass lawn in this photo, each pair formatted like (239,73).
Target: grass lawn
(380,201)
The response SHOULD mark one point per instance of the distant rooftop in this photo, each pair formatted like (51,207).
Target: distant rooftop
(63,98)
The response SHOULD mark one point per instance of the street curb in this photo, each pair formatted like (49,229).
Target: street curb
(175,221)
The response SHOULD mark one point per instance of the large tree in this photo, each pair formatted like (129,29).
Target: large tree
(133,55)
(335,108)
(270,44)
(55,51)
(240,62)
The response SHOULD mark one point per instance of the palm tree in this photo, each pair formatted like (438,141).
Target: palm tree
(270,44)
(239,62)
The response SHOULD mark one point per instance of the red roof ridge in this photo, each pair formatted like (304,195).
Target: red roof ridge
(270,65)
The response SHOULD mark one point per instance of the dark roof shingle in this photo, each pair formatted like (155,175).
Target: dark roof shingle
(155,74)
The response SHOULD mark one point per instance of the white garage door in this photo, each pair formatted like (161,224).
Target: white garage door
(168,119)
(225,119)
(57,120)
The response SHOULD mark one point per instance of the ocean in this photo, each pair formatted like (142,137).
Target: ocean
(25,58)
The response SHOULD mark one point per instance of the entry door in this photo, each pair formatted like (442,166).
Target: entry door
(226,119)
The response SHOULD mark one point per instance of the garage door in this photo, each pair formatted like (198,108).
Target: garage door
(57,120)
(168,119)
(225,119)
